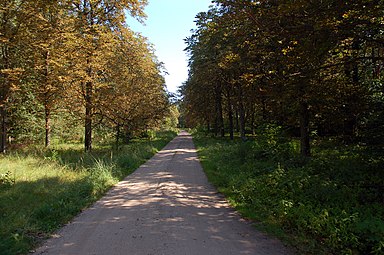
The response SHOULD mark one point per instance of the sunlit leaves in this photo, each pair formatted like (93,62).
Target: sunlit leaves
(79,56)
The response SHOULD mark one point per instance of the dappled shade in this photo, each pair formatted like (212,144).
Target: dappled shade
(166,207)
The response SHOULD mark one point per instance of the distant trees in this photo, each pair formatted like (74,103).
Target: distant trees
(311,66)
(77,56)
(10,39)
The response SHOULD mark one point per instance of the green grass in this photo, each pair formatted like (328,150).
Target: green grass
(331,204)
(40,189)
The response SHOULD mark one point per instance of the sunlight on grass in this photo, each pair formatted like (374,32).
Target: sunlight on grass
(42,189)
(34,184)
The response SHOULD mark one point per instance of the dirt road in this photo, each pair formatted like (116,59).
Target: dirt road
(166,207)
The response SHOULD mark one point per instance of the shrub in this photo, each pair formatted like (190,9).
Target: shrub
(331,204)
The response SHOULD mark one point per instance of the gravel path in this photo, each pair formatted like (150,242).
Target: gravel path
(166,207)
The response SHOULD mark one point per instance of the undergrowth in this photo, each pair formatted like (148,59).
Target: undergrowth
(330,204)
(42,189)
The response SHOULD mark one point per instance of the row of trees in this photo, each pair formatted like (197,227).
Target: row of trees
(309,65)
(77,58)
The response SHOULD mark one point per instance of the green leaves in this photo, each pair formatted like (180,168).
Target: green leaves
(328,205)
(306,65)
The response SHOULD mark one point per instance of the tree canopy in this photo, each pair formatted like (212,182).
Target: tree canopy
(314,67)
(64,62)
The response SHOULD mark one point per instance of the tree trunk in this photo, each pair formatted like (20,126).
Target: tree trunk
(230,114)
(241,113)
(4,91)
(88,117)
(219,122)
(305,148)
(89,16)
(3,142)
(216,126)
(46,104)
(253,122)
(117,136)
(237,119)
(47,126)
(264,108)
(242,121)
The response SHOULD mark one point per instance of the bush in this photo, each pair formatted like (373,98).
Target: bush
(329,204)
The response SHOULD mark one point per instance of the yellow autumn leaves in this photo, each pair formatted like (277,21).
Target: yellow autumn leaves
(80,56)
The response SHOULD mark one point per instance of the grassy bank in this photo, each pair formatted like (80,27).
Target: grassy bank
(331,204)
(42,189)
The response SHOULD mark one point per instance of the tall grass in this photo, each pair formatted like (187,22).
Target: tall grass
(40,189)
(331,204)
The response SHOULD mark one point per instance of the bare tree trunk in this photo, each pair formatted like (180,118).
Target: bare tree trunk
(88,117)
(241,113)
(216,126)
(219,121)
(117,136)
(253,120)
(305,148)
(4,91)
(88,16)
(242,121)
(264,108)
(47,126)
(230,114)
(3,142)
(46,104)
(237,119)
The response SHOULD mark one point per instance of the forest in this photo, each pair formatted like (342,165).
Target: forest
(287,100)
(83,103)
(315,67)
(66,65)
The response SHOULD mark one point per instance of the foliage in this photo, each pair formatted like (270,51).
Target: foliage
(79,58)
(310,66)
(331,204)
(6,180)
(171,120)
(42,189)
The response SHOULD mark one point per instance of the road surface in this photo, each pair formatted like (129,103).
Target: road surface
(166,206)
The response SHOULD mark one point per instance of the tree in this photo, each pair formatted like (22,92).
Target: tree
(12,32)
(95,23)
(49,28)
(290,62)
(61,56)
(133,95)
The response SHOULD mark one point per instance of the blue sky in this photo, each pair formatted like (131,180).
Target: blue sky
(168,23)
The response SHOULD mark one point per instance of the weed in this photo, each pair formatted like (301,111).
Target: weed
(6,180)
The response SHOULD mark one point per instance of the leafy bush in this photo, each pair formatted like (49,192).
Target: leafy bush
(330,204)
